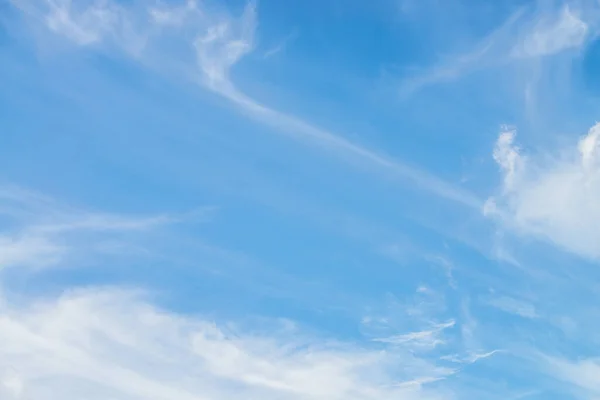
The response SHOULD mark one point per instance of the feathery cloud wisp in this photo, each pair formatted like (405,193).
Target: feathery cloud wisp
(218,43)
(37,237)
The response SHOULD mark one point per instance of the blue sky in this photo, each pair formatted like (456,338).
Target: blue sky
(299,200)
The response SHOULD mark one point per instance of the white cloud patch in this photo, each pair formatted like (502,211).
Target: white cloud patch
(555,197)
(85,26)
(90,23)
(223,45)
(107,343)
(552,35)
(173,16)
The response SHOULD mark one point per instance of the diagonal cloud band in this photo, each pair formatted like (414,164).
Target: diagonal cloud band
(219,43)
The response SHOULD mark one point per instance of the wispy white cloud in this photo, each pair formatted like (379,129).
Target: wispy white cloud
(422,339)
(111,343)
(29,250)
(469,358)
(514,306)
(219,43)
(39,226)
(222,46)
(554,197)
(89,23)
(432,337)
(448,70)
(114,342)
(85,26)
(486,52)
(552,35)
(281,46)
(529,33)
(173,16)
(582,375)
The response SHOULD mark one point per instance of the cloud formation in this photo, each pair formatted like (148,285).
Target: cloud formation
(531,32)
(121,344)
(41,232)
(116,342)
(553,34)
(109,343)
(164,38)
(551,196)
(581,375)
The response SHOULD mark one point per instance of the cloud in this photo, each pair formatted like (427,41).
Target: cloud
(85,26)
(524,36)
(581,375)
(218,41)
(92,24)
(173,16)
(552,35)
(553,197)
(102,342)
(281,46)
(448,70)
(422,339)
(29,250)
(489,51)
(222,46)
(514,306)
(40,232)
(471,357)
(111,343)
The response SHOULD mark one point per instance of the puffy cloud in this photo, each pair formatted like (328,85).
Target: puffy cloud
(555,197)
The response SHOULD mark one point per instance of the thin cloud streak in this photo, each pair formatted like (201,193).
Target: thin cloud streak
(281,46)
(305,131)
(219,45)
(41,225)
(525,36)
(216,65)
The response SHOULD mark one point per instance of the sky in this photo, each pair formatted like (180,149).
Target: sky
(299,200)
